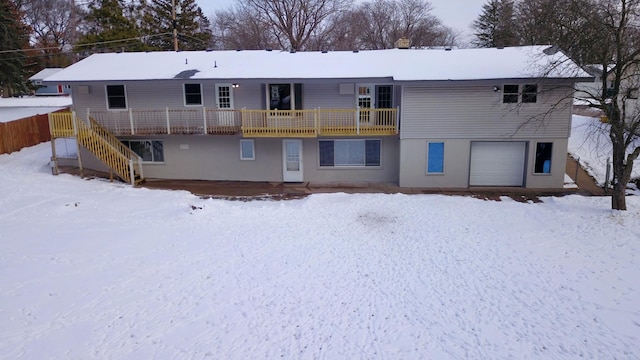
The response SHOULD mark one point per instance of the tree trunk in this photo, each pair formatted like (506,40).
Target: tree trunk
(618,198)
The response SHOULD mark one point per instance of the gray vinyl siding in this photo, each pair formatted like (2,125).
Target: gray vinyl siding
(147,95)
(218,158)
(477,112)
(457,159)
(326,96)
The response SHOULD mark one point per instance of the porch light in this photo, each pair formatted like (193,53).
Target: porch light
(496,88)
(235,85)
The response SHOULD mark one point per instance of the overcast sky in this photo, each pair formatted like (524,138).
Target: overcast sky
(458,14)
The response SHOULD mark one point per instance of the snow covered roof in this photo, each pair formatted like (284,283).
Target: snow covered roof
(44,73)
(399,64)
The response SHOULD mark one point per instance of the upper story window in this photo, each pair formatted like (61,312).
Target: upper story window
(512,93)
(116,97)
(192,94)
(284,96)
(530,93)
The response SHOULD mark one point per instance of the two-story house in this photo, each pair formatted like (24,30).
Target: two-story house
(412,117)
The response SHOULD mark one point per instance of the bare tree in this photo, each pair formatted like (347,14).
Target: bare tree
(53,28)
(241,27)
(383,22)
(294,22)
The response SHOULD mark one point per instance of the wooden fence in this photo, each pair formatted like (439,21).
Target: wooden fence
(17,134)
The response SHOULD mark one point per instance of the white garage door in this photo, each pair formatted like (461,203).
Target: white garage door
(497,163)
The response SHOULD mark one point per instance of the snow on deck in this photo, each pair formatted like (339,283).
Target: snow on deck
(112,271)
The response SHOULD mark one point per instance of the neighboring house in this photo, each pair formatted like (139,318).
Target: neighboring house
(48,89)
(416,118)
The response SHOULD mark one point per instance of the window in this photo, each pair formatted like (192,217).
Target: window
(280,96)
(116,97)
(530,93)
(336,153)
(543,158)
(247,151)
(435,158)
(510,94)
(384,95)
(192,94)
(148,150)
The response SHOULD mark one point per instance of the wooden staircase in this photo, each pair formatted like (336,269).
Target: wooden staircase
(126,164)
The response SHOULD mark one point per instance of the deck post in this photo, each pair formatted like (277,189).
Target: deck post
(131,121)
(358,121)
(167,115)
(397,119)
(131,172)
(316,120)
(140,168)
(74,121)
(204,117)
(54,157)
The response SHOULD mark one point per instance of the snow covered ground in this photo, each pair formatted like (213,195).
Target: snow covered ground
(97,270)
(590,143)
(18,108)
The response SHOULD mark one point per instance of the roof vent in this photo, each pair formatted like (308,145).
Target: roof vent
(238,49)
(324,51)
(500,47)
(403,43)
(209,50)
(293,51)
(447,49)
(356,51)
(268,49)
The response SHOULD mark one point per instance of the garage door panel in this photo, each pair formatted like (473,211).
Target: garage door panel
(497,163)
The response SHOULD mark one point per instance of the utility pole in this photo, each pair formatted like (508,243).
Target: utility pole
(175,25)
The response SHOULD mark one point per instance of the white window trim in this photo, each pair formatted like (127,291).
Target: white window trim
(253,149)
(184,95)
(126,98)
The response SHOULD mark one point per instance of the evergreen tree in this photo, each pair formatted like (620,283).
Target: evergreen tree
(496,25)
(110,26)
(14,35)
(193,27)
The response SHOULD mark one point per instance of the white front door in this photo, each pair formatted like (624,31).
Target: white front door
(292,160)
(224,103)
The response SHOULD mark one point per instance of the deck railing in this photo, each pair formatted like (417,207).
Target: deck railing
(100,142)
(252,123)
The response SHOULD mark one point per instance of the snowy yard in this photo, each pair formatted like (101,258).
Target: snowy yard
(95,270)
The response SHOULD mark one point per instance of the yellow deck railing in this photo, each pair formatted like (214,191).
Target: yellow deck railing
(100,142)
(319,122)
(252,123)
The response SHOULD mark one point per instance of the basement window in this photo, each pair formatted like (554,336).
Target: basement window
(247,149)
(544,151)
(435,158)
(148,150)
(351,153)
